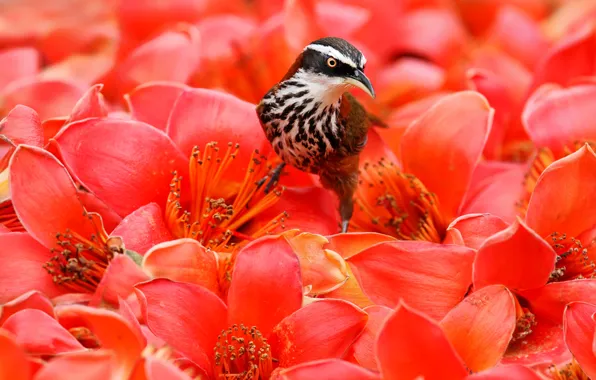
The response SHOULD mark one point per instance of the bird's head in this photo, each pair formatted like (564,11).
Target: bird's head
(329,66)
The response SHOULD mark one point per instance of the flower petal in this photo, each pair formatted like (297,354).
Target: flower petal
(30,300)
(13,360)
(200,116)
(150,368)
(22,126)
(544,345)
(323,270)
(146,63)
(321,330)
(138,169)
(48,337)
(183,260)
(23,272)
(351,291)
(92,203)
(112,331)
(472,230)
(549,301)
(91,104)
(49,98)
(88,365)
(18,63)
(143,228)
(518,372)
(515,257)
(407,340)
(453,152)
(364,346)
(309,209)
(579,328)
(350,244)
(121,275)
(495,188)
(552,210)
(44,196)
(572,56)
(559,116)
(480,327)
(152,102)
(432,277)
(187,316)
(266,284)
(329,369)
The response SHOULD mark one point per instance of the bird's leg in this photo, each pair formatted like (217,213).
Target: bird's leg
(346,208)
(275,173)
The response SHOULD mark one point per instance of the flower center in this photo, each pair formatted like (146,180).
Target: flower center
(242,353)
(214,220)
(397,204)
(8,217)
(79,263)
(524,323)
(573,259)
(571,371)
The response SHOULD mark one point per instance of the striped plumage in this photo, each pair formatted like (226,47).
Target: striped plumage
(316,126)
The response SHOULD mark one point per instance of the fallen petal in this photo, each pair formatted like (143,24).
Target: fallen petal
(472,230)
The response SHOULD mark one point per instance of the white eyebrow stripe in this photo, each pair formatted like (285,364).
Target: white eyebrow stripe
(362,61)
(328,50)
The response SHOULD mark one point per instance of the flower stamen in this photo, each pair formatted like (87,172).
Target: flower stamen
(573,259)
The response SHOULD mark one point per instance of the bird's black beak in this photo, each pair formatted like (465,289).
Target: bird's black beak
(360,80)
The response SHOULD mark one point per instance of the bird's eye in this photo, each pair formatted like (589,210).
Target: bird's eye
(331,62)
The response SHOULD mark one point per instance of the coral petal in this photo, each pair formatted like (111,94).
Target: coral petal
(49,98)
(350,244)
(200,116)
(579,328)
(329,369)
(480,327)
(545,345)
(48,337)
(149,368)
(549,301)
(518,372)
(112,331)
(118,281)
(565,210)
(22,126)
(406,341)
(24,272)
(30,300)
(364,346)
(13,360)
(136,172)
(152,102)
(44,196)
(515,257)
(324,329)
(18,63)
(143,228)
(183,260)
(187,316)
(266,284)
(91,104)
(88,365)
(351,291)
(453,152)
(432,277)
(559,117)
(473,229)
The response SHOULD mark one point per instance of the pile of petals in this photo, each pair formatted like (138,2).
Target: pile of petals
(136,242)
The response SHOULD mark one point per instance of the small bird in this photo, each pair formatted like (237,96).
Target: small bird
(314,124)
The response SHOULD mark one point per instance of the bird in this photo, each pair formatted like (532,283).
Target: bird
(315,124)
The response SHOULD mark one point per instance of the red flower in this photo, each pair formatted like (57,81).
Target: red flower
(413,202)
(263,325)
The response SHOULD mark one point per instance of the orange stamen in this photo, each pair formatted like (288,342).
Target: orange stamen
(571,371)
(79,262)
(242,353)
(212,220)
(402,206)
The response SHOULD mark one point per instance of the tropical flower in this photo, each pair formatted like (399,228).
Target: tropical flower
(411,200)
(261,327)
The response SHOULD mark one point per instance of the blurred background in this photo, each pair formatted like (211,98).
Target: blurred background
(417,50)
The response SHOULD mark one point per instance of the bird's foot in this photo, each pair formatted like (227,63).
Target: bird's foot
(273,179)
(344,226)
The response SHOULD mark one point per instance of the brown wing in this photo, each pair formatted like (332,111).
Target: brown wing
(357,121)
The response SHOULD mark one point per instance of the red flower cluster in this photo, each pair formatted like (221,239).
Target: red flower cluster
(136,242)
